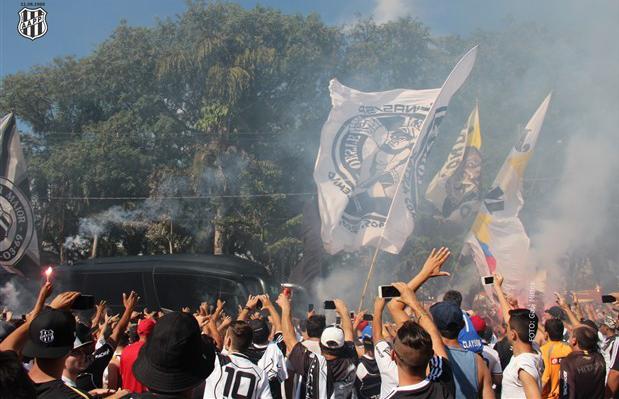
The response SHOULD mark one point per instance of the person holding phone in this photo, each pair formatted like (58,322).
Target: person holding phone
(332,371)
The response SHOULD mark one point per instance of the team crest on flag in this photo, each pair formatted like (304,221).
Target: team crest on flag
(32,23)
(16,223)
(370,164)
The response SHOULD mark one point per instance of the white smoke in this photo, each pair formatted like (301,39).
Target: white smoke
(388,10)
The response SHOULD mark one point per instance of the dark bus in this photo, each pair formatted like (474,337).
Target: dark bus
(168,281)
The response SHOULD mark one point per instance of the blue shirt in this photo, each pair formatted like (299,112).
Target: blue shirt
(468,337)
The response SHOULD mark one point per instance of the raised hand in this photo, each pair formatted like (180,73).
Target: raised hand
(560,300)
(100,307)
(186,309)
(358,318)
(340,307)
(64,300)
(283,301)
(379,305)
(407,296)
(220,305)
(498,280)
(129,301)
(252,301)
(436,260)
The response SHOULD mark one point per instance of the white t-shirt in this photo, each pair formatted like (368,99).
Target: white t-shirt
(531,363)
(236,376)
(491,357)
(387,367)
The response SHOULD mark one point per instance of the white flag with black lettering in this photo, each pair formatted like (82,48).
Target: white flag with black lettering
(372,153)
(19,247)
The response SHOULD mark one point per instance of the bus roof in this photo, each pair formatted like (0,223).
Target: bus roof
(231,264)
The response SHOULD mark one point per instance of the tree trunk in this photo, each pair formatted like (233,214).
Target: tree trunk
(218,241)
(95,242)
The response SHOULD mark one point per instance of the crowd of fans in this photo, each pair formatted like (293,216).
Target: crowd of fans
(443,351)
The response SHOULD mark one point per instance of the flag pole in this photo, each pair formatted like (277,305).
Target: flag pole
(425,129)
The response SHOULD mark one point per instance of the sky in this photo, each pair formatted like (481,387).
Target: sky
(76,27)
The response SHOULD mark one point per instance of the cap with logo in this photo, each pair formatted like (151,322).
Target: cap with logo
(332,338)
(51,334)
(175,358)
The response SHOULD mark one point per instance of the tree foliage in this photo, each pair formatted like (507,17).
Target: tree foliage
(194,124)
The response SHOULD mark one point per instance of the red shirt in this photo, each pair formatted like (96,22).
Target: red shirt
(127,358)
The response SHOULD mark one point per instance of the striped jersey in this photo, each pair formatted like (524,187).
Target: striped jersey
(235,376)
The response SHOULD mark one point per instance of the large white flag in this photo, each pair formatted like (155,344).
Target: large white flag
(498,241)
(371,159)
(19,246)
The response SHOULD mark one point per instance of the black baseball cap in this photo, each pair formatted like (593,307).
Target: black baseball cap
(174,358)
(260,330)
(447,316)
(51,334)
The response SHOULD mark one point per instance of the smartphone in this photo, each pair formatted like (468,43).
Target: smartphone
(487,280)
(368,317)
(352,315)
(388,291)
(608,299)
(310,307)
(329,305)
(83,302)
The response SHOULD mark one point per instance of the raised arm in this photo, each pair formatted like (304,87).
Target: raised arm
(129,301)
(498,287)
(252,301)
(100,308)
(423,318)
(268,306)
(574,321)
(377,321)
(342,310)
(290,338)
(430,269)
(17,339)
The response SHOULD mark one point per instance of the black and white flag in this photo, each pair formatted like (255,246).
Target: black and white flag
(19,246)
(371,160)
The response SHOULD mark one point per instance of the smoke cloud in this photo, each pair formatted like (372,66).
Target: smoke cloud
(388,10)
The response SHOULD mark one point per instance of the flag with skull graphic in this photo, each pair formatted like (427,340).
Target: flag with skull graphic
(371,160)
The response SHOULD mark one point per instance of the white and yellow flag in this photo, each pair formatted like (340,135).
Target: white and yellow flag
(373,147)
(498,241)
(455,189)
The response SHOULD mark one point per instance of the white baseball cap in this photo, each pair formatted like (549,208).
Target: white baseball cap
(332,338)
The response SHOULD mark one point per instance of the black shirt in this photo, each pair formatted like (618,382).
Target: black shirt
(504,348)
(92,377)
(313,369)
(367,383)
(57,389)
(582,376)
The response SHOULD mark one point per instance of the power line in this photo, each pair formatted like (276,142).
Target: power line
(177,197)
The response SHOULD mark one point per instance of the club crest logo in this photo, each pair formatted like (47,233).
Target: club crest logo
(370,156)
(16,223)
(46,336)
(32,23)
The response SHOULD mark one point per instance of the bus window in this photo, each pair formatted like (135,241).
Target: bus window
(176,291)
(115,283)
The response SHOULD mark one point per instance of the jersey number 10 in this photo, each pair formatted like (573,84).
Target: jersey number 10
(234,379)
